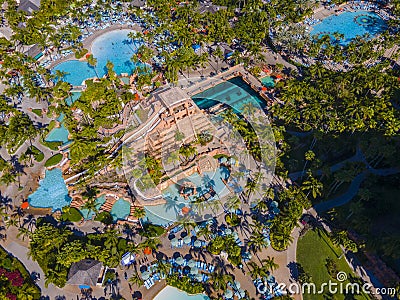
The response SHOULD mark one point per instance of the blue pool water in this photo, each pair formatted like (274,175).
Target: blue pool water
(170,292)
(52,192)
(165,213)
(350,24)
(112,46)
(89,215)
(234,92)
(71,99)
(58,134)
(120,210)
(268,81)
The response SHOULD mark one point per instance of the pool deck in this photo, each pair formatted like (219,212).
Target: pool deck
(87,43)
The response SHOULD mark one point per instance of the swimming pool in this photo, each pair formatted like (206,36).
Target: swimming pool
(99,203)
(52,192)
(350,24)
(58,134)
(170,292)
(234,92)
(120,210)
(112,46)
(268,81)
(168,212)
(72,98)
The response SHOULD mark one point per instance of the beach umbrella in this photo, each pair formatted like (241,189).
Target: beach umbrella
(241,293)
(228,231)
(197,244)
(228,294)
(194,271)
(262,288)
(187,239)
(274,204)
(174,242)
(191,263)
(236,284)
(179,260)
(147,251)
(197,229)
(198,277)
(145,275)
(235,234)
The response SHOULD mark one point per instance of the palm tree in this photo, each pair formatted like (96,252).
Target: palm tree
(163,268)
(313,186)
(136,279)
(219,280)
(23,232)
(269,264)
(92,62)
(139,213)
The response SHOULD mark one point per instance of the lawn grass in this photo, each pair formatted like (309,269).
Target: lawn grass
(37,154)
(51,145)
(312,251)
(37,112)
(55,159)
(72,214)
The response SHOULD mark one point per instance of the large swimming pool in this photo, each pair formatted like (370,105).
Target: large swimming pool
(170,292)
(350,24)
(167,213)
(52,192)
(114,46)
(234,92)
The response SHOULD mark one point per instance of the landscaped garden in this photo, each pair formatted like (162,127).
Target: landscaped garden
(321,261)
(15,280)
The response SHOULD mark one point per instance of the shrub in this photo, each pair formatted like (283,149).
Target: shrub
(37,154)
(80,53)
(151,230)
(104,217)
(55,159)
(185,284)
(232,220)
(71,214)
(109,277)
(331,267)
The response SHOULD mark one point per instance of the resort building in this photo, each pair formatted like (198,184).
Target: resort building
(181,114)
(87,272)
(29,6)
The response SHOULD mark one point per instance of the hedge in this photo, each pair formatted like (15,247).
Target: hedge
(55,159)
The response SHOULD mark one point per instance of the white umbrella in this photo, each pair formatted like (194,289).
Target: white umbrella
(241,293)
(145,275)
(194,271)
(179,260)
(198,277)
(174,242)
(228,294)
(191,263)
(236,284)
(187,239)
(228,231)
(197,244)
(235,234)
